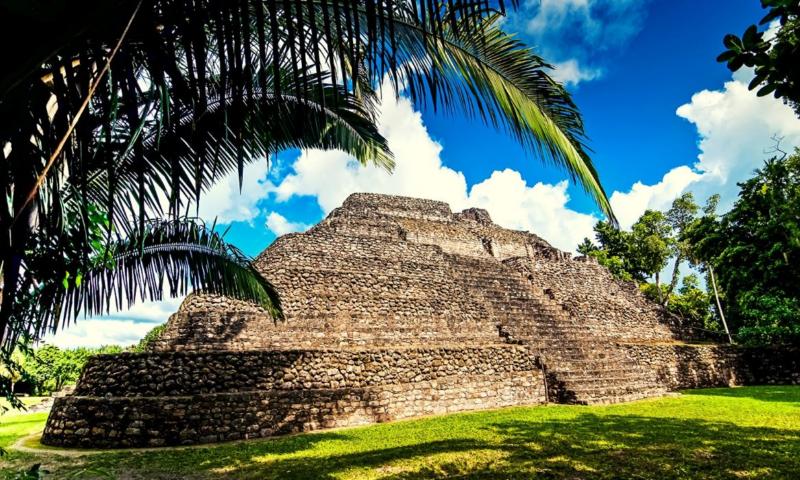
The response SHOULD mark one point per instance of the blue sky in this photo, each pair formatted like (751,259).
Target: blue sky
(661,115)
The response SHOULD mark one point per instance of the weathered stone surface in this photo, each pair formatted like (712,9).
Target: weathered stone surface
(397,307)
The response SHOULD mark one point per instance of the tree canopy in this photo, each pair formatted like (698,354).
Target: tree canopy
(755,248)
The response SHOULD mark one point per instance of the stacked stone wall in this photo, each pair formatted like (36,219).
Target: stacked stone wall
(186,398)
(185,373)
(699,366)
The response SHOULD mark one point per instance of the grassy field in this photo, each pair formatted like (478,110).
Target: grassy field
(718,433)
(28,401)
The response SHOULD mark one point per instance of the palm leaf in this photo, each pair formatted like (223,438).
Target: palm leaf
(271,126)
(171,258)
(486,73)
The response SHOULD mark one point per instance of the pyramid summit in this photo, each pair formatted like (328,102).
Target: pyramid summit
(397,307)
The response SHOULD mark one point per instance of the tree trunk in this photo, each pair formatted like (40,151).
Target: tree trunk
(674,281)
(719,305)
(658,287)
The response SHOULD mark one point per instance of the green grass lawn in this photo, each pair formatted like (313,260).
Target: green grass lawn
(718,433)
(27,401)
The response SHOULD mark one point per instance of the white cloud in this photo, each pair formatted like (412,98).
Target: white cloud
(224,201)
(96,333)
(279,225)
(331,176)
(118,328)
(630,205)
(604,23)
(541,209)
(735,128)
(571,72)
(570,33)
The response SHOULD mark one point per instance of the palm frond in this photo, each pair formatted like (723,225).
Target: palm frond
(167,258)
(270,125)
(488,74)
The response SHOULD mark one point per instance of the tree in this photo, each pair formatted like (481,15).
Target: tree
(700,237)
(680,215)
(754,249)
(650,244)
(122,116)
(613,251)
(693,303)
(53,367)
(776,59)
(644,251)
(50,368)
(689,302)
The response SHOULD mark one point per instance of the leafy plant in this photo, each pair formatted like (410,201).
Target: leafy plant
(35,472)
(149,339)
(773,335)
(776,59)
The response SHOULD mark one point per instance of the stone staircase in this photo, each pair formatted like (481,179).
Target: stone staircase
(582,366)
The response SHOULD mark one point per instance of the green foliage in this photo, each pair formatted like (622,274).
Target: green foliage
(644,252)
(635,255)
(680,216)
(184,252)
(650,243)
(149,338)
(51,368)
(613,251)
(12,368)
(34,472)
(755,248)
(587,247)
(690,302)
(775,59)
(614,264)
(772,335)
(694,304)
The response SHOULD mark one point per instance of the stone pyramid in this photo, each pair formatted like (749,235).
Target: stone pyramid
(395,307)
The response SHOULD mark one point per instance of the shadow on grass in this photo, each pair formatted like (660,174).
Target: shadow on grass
(590,447)
(762,393)
(585,447)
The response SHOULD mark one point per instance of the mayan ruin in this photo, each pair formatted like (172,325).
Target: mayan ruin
(396,308)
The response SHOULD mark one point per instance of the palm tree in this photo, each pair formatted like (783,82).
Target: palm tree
(126,111)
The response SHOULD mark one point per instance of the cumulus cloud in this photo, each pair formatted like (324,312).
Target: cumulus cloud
(279,225)
(735,129)
(601,23)
(541,208)
(331,176)
(97,333)
(227,204)
(570,72)
(629,206)
(118,328)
